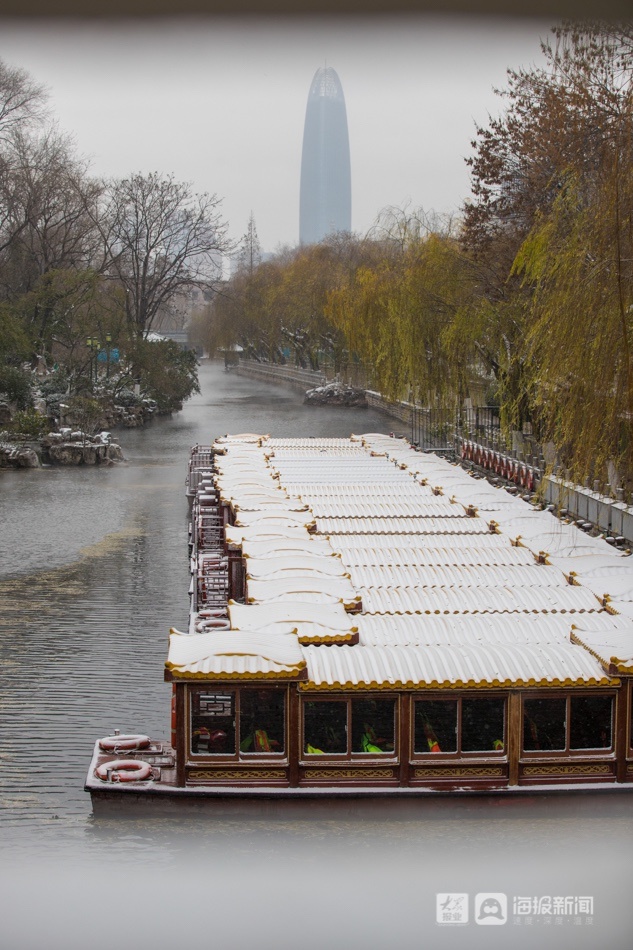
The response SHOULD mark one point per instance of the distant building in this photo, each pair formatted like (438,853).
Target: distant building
(326,181)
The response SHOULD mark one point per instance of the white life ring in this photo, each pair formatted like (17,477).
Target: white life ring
(124,743)
(124,770)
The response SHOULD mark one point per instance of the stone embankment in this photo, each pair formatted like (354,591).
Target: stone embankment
(62,448)
(18,456)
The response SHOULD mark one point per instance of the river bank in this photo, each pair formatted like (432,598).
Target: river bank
(61,448)
(67,443)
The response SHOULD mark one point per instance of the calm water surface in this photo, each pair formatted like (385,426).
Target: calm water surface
(93,573)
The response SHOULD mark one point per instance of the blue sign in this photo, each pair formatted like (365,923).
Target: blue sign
(102,356)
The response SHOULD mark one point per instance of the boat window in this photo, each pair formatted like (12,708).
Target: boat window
(436,725)
(238,722)
(262,720)
(373,725)
(482,725)
(590,722)
(325,727)
(213,722)
(544,724)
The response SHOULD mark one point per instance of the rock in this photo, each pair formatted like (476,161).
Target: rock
(17,456)
(114,453)
(66,453)
(90,454)
(27,458)
(336,394)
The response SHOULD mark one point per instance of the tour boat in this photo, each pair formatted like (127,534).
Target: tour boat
(373,630)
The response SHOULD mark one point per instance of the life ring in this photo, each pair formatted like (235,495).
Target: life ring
(216,623)
(124,743)
(124,770)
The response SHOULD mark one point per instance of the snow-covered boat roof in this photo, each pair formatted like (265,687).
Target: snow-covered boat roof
(265,653)
(458,583)
(314,622)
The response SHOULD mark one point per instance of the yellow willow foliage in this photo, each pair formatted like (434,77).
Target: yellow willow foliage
(395,313)
(579,345)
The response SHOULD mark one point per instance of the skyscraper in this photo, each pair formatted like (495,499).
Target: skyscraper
(326,181)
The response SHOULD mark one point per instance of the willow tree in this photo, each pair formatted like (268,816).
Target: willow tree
(577,263)
(580,344)
(400,306)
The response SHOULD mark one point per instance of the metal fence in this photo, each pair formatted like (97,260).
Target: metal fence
(444,429)
(434,429)
(482,424)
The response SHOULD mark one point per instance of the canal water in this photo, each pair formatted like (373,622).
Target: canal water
(93,573)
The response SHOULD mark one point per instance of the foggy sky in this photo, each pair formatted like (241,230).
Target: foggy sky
(222,103)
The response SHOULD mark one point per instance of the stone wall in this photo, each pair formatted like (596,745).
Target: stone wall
(275,373)
(308,379)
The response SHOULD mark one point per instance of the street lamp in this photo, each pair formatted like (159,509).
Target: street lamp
(108,340)
(94,346)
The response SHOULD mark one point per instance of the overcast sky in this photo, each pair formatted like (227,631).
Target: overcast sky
(222,103)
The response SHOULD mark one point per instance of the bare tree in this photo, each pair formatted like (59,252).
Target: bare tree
(250,253)
(22,101)
(22,108)
(161,239)
(47,210)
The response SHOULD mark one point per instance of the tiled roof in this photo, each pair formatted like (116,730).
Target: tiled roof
(428,550)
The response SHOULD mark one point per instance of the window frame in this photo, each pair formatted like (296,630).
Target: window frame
(568,752)
(459,754)
(389,757)
(238,756)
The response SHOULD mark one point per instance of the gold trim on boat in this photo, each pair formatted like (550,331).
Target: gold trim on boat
(245,774)
(458,773)
(567,770)
(348,773)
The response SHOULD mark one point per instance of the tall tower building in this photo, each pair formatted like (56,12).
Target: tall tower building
(326,181)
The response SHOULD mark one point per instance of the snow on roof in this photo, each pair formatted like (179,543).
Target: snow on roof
(421,542)
(424,568)
(450,575)
(396,507)
(309,442)
(477,600)
(267,502)
(251,654)
(272,548)
(397,555)
(433,667)
(613,647)
(244,519)
(404,630)
(264,531)
(314,622)
(331,589)
(298,563)
(417,526)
